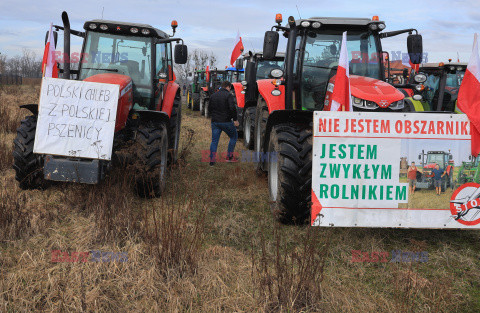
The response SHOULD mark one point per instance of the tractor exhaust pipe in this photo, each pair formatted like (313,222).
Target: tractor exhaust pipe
(66,45)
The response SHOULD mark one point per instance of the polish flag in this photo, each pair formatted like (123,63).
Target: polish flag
(469,96)
(407,62)
(49,66)
(341,96)
(208,73)
(237,50)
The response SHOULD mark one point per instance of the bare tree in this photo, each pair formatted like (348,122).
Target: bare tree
(198,59)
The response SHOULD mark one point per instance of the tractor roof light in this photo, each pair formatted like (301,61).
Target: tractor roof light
(459,68)
(92,26)
(278,18)
(174,24)
(441,64)
(145,31)
(452,68)
(103,27)
(134,30)
(375,18)
(305,24)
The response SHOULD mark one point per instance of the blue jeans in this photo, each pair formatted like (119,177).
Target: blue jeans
(217,129)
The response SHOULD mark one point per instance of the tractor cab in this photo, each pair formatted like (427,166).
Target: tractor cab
(234,75)
(440,90)
(138,51)
(432,158)
(312,56)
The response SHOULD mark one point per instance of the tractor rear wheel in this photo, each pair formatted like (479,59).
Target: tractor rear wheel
(28,166)
(290,172)
(152,159)
(207,114)
(261,117)
(195,101)
(249,128)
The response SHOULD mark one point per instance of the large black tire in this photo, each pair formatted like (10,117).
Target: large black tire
(261,117)
(290,172)
(174,131)
(27,165)
(207,113)
(189,100)
(151,160)
(195,101)
(202,103)
(249,128)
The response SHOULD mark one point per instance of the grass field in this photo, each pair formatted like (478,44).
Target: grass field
(208,245)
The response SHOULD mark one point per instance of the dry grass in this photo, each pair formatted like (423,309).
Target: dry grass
(208,245)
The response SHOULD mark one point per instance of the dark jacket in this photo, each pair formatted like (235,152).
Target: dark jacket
(222,107)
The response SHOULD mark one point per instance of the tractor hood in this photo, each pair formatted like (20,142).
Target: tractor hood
(374,90)
(107,78)
(430,166)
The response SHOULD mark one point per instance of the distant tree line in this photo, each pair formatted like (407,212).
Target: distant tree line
(26,65)
(197,59)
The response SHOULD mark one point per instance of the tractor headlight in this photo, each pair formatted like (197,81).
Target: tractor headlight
(459,68)
(244,83)
(276,92)
(103,27)
(420,78)
(92,26)
(419,87)
(417,97)
(373,26)
(398,105)
(145,31)
(381,26)
(316,24)
(305,24)
(356,100)
(370,105)
(134,30)
(276,73)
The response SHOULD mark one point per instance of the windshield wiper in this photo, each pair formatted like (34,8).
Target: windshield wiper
(100,69)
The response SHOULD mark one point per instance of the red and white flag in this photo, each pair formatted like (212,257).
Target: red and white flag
(409,63)
(341,96)
(469,96)
(237,50)
(207,70)
(49,66)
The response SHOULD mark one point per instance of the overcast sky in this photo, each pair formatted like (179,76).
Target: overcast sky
(447,26)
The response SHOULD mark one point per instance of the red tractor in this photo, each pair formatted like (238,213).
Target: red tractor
(429,160)
(284,112)
(148,112)
(246,92)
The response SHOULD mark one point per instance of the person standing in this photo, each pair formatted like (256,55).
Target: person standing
(224,118)
(412,177)
(437,178)
(184,89)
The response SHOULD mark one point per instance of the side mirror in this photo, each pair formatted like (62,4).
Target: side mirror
(419,157)
(181,54)
(415,48)
(450,157)
(55,38)
(270,44)
(239,64)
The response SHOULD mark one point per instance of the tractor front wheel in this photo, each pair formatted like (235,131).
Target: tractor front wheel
(249,128)
(152,159)
(195,101)
(27,165)
(290,172)
(261,117)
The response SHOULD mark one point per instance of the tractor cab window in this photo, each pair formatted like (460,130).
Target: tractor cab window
(322,51)
(264,68)
(130,56)
(161,62)
(436,159)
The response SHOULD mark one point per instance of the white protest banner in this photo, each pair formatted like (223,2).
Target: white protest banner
(76,119)
(408,170)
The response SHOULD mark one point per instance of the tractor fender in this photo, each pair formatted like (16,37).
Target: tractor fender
(171,91)
(31,107)
(265,88)
(415,105)
(286,116)
(150,115)
(239,95)
(449,169)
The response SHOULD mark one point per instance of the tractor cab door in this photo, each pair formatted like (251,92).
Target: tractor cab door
(163,70)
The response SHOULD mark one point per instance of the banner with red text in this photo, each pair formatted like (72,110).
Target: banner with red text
(408,170)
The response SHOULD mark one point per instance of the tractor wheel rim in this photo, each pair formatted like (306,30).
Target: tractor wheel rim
(258,135)
(246,129)
(272,177)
